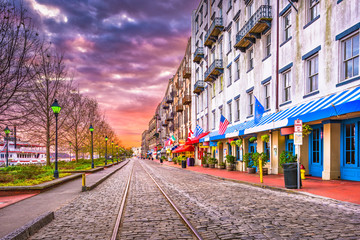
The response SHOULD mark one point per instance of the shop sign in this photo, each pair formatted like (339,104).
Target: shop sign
(298,126)
(298,139)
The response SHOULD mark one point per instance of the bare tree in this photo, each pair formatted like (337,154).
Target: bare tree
(18,44)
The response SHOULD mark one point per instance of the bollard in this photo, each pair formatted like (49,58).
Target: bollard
(261,170)
(83,182)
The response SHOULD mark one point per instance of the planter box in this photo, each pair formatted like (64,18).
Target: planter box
(230,167)
(206,165)
(212,165)
(222,167)
(251,170)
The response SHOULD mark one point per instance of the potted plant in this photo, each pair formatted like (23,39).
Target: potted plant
(239,142)
(174,160)
(162,159)
(249,163)
(212,161)
(230,166)
(306,130)
(204,161)
(288,162)
(265,138)
(252,139)
(263,157)
(222,165)
(233,143)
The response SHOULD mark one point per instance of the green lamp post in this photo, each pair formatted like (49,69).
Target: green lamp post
(7,132)
(56,109)
(106,139)
(112,151)
(92,145)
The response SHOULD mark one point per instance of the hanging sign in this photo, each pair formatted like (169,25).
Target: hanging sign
(298,126)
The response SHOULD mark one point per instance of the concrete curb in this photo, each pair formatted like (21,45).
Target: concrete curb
(85,171)
(30,228)
(94,185)
(41,187)
(290,191)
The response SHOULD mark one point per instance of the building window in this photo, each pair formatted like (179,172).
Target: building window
(287,26)
(251,59)
(268,45)
(251,103)
(350,143)
(286,86)
(220,50)
(214,89)
(229,4)
(237,109)
(221,83)
(230,76)
(201,17)
(220,112)
(237,63)
(267,96)
(351,57)
(230,113)
(313,74)
(207,123)
(229,37)
(313,9)
(213,118)
(237,25)
(250,9)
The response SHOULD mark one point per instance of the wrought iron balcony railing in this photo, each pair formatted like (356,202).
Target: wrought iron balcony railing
(257,24)
(186,100)
(214,31)
(215,69)
(199,86)
(198,54)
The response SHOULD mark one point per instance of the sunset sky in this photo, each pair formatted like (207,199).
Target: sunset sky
(121,51)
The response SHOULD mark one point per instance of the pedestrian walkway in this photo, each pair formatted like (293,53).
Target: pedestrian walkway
(341,190)
(22,210)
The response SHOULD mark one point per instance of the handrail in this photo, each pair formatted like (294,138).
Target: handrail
(199,50)
(218,63)
(217,22)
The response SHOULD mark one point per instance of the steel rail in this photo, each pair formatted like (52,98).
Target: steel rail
(183,218)
(122,208)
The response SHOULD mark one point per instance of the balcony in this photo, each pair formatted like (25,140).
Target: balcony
(252,30)
(179,108)
(199,86)
(186,100)
(198,55)
(169,99)
(165,106)
(187,72)
(169,117)
(164,123)
(215,69)
(214,31)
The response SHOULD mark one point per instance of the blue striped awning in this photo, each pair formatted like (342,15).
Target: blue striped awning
(344,102)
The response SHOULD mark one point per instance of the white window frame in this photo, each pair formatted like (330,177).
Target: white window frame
(237,109)
(286,88)
(230,76)
(214,119)
(251,103)
(250,9)
(352,58)
(287,28)
(251,59)
(267,44)
(237,63)
(310,76)
(229,39)
(229,112)
(267,96)
(313,5)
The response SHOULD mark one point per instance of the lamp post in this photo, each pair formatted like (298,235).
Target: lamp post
(117,153)
(70,150)
(7,132)
(92,145)
(112,151)
(56,109)
(106,139)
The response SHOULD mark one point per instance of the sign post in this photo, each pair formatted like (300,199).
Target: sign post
(298,142)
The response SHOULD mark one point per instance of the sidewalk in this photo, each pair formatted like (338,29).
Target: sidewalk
(341,190)
(23,210)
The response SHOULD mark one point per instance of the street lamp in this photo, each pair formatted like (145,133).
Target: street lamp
(56,109)
(92,145)
(112,151)
(106,139)
(70,150)
(7,132)
(117,153)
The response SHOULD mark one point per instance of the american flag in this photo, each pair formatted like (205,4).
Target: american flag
(198,131)
(223,125)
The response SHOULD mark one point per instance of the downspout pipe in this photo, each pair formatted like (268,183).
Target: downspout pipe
(277,55)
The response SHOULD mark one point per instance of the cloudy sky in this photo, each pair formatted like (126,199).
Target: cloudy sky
(121,51)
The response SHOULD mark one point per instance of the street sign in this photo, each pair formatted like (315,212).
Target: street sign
(298,125)
(298,139)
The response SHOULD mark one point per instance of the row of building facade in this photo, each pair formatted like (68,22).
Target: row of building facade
(300,59)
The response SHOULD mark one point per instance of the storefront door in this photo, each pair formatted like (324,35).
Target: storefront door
(316,151)
(350,150)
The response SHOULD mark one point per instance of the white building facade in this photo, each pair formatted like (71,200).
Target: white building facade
(300,59)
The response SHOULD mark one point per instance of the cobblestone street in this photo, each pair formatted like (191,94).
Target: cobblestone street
(218,209)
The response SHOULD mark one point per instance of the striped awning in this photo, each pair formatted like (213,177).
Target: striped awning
(336,104)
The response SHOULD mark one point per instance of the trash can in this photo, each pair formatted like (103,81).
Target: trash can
(290,175)
(188,162)
(183,164)
(192,161)
(161,160)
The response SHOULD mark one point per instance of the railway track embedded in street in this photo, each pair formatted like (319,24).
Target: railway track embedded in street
(121,215)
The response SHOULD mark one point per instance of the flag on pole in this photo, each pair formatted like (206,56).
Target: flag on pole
(198,131)
(223,125)
(173,138)
(259,111)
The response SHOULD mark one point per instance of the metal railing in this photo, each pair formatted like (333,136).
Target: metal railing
(216,64)
(199,51)
(263,11)
(199,84)
(218,22)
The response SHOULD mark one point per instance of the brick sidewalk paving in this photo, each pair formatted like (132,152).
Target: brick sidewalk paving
(341,190)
